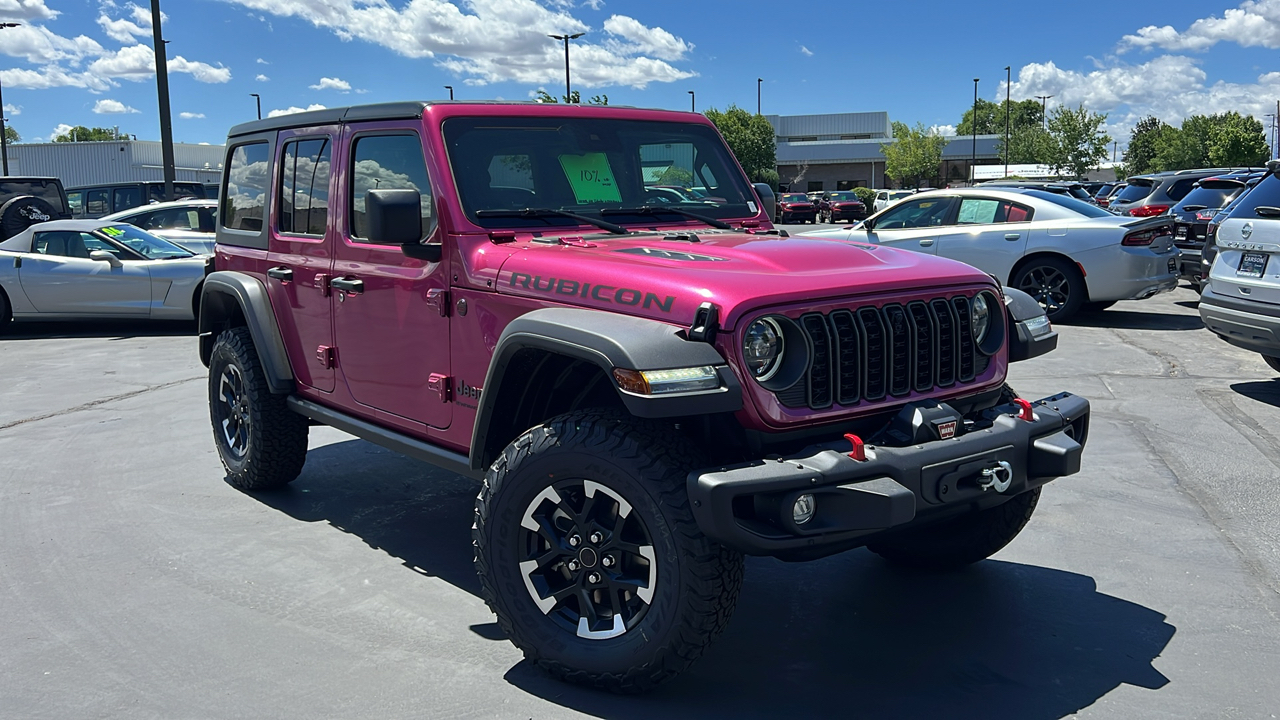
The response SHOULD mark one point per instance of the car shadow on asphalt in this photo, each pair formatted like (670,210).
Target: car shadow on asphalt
(1264,391)
(845,635)
(106,329)
(1133,320)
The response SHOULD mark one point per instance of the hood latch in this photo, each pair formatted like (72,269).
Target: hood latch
(706,322)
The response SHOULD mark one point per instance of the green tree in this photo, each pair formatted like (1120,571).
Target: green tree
(1238,141)
(752,140)
(574,99)
(1028,145)
(1022,114)
(81,133)
(914,157)
(1145,141)
(10,135)
(1076,141)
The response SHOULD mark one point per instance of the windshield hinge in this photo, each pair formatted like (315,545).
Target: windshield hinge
(706,321)
(750,224)
(502,236)
(576,241)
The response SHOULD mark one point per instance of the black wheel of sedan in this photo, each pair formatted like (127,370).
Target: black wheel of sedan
(262,443)
(589,555)
(1056,284)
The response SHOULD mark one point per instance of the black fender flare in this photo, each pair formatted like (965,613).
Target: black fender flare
(229,294)
(1030,334)
(609,341)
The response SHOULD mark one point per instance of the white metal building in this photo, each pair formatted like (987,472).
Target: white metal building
(110,161)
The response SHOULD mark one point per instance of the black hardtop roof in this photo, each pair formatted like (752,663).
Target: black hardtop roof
(403,110)
(27,178)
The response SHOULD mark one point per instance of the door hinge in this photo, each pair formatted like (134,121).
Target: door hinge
(322,284)
(440,384)
(438,298)
(326,355)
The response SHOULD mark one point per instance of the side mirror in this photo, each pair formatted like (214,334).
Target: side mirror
(106,257)
(395,218)
(768,202)
(867,225)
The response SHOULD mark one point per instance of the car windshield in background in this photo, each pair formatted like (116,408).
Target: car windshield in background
(1215,196)
(143,242)
(843,196)
(900,195)
(591,167)
(795,197)
(1070,203)
(1134,191)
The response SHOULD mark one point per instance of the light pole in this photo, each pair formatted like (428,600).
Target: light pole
(4,141)
(758,82)
(258,99)
(450,89)
(693,104)
(568,93)
(1044,114)
(1008,83)
(973,162)
(162,89)
(1115,147)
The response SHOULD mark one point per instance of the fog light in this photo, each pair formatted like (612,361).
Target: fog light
(802,511)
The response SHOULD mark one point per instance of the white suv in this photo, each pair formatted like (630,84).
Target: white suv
(885,198)
(1241,302)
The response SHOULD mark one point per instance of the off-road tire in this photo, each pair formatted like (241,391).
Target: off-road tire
(960,541)
(275,442)
(1274,362)
(1076,291)
(697,580)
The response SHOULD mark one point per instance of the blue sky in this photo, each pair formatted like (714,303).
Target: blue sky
(88,62)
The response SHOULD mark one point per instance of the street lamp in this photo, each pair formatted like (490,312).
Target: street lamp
(257,98)
(1044,116)
(162,90)
(568,94)
(758,81)
(973,162)
(450,89)
(4,141)
(693,104)
(1008,82)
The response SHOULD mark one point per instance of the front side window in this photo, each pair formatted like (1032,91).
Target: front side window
(247,181)
(304,187)
(985,211)
(925,212)
(97,202)
(390,162)
(76,201)
(125,198)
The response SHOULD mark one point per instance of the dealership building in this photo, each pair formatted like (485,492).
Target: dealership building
(841,151)
(112,161)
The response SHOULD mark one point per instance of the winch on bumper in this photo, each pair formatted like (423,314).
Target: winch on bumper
(754,507)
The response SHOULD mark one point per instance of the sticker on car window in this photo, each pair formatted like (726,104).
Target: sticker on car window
(591,178)
(977,212)
(112,231)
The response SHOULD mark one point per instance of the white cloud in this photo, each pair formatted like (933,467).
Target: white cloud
(328,83)
(497,40)
(294,109)
(806,51)
(945,130)
(61,129)
(1255,23)
(262,62)
(262,78)
(52,76)
(138,63)
(26,10)
(9,110)
(190,115)
(37,45)
(112,107)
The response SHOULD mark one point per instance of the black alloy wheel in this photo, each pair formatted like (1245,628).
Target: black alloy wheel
(1055,284)
(231,412)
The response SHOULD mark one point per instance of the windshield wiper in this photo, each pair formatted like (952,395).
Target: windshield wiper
(553,212)
(652,209)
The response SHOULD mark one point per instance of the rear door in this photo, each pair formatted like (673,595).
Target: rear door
(990,234)
(58,277)
(914,224)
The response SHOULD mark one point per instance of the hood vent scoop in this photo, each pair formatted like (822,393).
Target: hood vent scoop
(670,254)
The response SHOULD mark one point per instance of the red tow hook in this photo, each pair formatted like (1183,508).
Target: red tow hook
(859,451)
(1024,411)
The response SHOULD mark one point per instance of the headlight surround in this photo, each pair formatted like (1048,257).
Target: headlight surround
(980,317)
(763,346)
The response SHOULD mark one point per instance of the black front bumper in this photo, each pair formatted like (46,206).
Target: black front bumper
(748,507)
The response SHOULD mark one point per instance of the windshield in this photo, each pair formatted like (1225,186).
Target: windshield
(1209,197)
(900,195)
(586,166)
(843,196)
(1070,203)
(1134,191)
(142,242)
(795,197)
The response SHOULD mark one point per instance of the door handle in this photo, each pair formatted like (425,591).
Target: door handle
(1012,236)
(926,242)
(281,273)
(350,285)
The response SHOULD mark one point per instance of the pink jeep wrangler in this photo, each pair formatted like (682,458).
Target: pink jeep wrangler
(647,386)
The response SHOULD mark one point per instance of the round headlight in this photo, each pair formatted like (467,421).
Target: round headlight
(762,348)
(980,318)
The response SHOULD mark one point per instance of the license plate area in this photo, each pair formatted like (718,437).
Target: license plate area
(1252,264)
(1181,232)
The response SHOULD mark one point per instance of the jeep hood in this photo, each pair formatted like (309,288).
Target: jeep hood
(668,278)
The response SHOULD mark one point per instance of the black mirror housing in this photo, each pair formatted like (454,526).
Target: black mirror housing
(395,216)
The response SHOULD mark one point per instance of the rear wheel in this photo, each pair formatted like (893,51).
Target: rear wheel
(1055,283)
(963,540)
(589,555)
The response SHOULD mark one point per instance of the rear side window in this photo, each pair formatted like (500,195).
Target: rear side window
(125,198)
(304,187)
(1134,191)
(96,202)
(984,211)
(76,200)
(1266,194)
(247,180)
(389,162)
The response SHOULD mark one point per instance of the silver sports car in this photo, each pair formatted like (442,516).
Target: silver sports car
(76,269)
(1065,253)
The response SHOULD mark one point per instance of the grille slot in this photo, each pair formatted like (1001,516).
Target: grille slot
(867,354)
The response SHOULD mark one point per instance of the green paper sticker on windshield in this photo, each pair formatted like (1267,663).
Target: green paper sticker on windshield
(591,178)
(112,231)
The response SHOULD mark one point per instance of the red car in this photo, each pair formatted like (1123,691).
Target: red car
(842,205)
(795,207)
(644,392)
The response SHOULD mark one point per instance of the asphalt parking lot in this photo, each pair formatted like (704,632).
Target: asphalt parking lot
(137,583)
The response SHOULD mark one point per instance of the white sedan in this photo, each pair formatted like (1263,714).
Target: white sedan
(77,269)
(189,223)
(1063,252)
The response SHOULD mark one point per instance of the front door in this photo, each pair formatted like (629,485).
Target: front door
(391,330)
(58,277)
(300,254)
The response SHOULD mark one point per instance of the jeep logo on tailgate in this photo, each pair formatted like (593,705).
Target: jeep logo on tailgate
(603,293)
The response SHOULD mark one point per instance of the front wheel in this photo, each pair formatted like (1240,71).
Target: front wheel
(960,541)
(589,555)
(1056,284)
